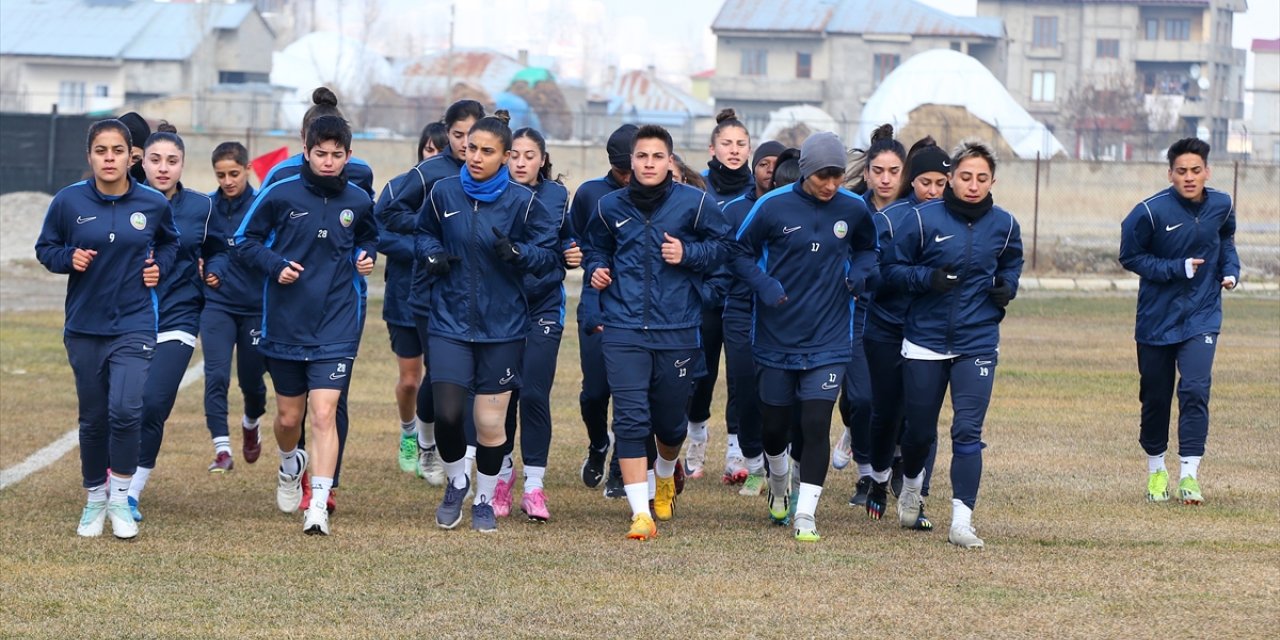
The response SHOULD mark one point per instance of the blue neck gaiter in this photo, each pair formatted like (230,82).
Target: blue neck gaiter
(486,191)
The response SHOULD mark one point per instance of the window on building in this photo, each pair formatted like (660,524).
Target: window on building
(957,46)
(1044,32)
(1153,29)
(882,65)
(1108,48)
(804,65)
(101,91)
(71,95)
(242,77)
(755,62)
(1177,29)
(1044,86)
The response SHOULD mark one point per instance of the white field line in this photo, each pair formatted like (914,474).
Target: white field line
(69,440)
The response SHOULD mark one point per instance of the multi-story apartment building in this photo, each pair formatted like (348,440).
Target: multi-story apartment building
(1264,127)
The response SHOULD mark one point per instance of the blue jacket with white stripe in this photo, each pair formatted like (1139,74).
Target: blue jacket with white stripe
(202,238)
(108,298)
(321,314)
(358,171)
(1156,239)
(581,209)
(886,306)
(546,292)
(399,265)
(240,285)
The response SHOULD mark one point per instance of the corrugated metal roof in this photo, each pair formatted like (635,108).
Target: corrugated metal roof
(125,30)
(774,15)
(641,91)
(852,17)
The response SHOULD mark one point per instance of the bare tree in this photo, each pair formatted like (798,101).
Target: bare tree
(1108,116)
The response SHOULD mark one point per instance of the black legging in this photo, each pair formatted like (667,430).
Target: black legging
(815,430)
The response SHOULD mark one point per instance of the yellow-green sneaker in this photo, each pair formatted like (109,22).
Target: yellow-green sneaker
(779,508)
(664,498)
(1189,490)
(408,457)
(753,485)
(1158,486)
(806,529)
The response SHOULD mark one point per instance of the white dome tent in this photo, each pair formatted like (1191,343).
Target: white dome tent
(950,78)
(343,64)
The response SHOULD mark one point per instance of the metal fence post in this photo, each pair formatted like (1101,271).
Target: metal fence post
(1035,217)
(52,144)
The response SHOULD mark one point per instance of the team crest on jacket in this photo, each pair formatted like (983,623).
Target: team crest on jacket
(346,217)
(841,229)
(138,220)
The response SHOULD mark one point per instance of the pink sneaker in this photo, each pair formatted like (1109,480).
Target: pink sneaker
(501,499)
(534,505)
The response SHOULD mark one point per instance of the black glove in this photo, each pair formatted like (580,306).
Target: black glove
(439,264)
(943,280)
(504,247)
(856,287)
(1001,294)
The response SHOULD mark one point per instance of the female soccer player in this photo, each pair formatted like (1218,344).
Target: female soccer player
(232,319)
(927,169)
(648,248)
(959,259)
(728,176)
(117,241)
(1181,241)
(805,252)
(433,140)
(482,235)
(314,237)
(742,411)
(202,250)
(530,165)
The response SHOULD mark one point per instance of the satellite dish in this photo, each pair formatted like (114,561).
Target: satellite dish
(1202,132)
(1194,71)
(1204,84)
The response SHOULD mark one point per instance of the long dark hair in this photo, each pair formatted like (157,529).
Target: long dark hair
(496,125)
(536,136)
(435,133)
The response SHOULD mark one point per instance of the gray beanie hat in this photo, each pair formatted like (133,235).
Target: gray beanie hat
(820,151)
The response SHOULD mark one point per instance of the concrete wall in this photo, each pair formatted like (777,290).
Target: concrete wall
(32,84)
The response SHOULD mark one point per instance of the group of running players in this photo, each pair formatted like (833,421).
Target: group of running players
(871,280)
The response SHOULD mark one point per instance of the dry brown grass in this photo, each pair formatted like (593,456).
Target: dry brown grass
(1073,550)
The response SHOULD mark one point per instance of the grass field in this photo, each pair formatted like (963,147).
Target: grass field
(1073,550)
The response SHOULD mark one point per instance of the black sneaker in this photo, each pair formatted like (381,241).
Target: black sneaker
(859,498)
(877,499)
(593,467)
(895,477)
(613,487)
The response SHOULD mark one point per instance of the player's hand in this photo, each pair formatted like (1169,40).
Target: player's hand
(507,250)
(151,273)
(601,278)
(290,273)
(772,293)
(573,256)
(1229,283)
(211,280)
(1001,293)
(943,280)
(364,263)
(81,258)
(440,264)
(1191,265)
(672,249)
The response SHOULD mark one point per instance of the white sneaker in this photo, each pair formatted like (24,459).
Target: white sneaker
(92,519)
(842,454)
(289,488)
(695,457)
(964,537)
(909,505)
(429,466)
(316,520)
(123,525)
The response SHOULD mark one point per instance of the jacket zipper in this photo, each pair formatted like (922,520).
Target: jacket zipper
(951,312)
(475,285)
(648,276)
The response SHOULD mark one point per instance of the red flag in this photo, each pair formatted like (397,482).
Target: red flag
(262,164)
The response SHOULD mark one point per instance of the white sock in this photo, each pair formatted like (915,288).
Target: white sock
(961,515)
(915,484)
(118,488)
(508,469)
(864,469)
(778,465)
(98,493)
(251,425)
(469,459)
(456,471)
(408,428)
(881,476)
(1190,466)
(533,477)
(698,431)
(139,482)
(290,465)
(320,487)
(732,449)
(426,433)
(221,444)
(638,498)
(664,468)
(1155,463)
(755,465)
(653,484)
(485,484)
(807,501)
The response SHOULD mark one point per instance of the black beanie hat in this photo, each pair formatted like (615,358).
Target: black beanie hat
(138,128)
(766,150)
(929,159)
(619,147)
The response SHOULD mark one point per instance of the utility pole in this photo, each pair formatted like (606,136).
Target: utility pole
(448,89)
